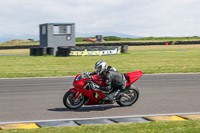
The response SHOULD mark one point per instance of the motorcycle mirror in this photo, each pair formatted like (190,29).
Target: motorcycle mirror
(92,77)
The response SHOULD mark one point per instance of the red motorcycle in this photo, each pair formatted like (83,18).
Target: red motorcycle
(86,91)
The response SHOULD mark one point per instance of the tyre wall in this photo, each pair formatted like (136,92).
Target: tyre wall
(41,51)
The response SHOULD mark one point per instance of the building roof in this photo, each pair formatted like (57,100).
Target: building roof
(57,24)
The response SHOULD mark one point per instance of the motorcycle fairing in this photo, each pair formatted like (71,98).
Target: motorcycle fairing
(89,94)
(131,77)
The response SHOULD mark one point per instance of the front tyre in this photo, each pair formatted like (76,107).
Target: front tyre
(70,102)
(129,97)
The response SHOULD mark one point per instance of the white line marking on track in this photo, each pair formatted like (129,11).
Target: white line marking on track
(40,77)
(74,76)
(111,117)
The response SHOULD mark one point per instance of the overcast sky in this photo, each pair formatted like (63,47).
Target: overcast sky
(134,17)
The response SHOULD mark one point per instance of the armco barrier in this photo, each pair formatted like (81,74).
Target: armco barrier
(113,44)
(126,43)
(18,47)
(187,42)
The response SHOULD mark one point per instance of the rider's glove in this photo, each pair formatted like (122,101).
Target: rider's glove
(103,88)
(92,73)
(89,81)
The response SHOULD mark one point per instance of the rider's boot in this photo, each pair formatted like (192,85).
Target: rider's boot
(112,96)
(104,89)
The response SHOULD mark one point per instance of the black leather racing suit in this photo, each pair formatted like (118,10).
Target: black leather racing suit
(114,80)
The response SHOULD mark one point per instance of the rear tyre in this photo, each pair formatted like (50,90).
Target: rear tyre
(129,97)
(70,102)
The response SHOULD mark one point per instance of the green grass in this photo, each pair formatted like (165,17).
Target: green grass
(191,126)
(24,43)
(149,62)
(170,48)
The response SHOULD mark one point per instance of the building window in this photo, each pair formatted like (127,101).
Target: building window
(56,29)
(69,29)
(44,30)
(62,29)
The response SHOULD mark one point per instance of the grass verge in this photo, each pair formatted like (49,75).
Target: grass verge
(191,126)
(149,62)
(22,43)
(14,51)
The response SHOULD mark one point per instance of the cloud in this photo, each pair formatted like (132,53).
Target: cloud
(136,17)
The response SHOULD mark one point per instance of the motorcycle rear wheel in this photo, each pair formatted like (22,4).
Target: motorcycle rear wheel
(129,97)
(70,102)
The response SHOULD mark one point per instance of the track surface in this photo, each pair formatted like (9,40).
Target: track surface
(32,99)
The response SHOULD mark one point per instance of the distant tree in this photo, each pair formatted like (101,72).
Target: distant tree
(111,38)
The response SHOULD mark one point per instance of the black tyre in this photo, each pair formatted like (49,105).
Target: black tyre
(71,103)
(129,96)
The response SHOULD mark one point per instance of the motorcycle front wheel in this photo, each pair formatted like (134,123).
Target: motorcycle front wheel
(129,97)
(70,102)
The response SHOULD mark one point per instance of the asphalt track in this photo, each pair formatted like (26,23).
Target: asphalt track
(33,99)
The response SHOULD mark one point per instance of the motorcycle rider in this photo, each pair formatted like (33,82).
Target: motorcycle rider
(115,81)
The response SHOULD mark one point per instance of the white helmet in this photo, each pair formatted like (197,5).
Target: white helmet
(100,67)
